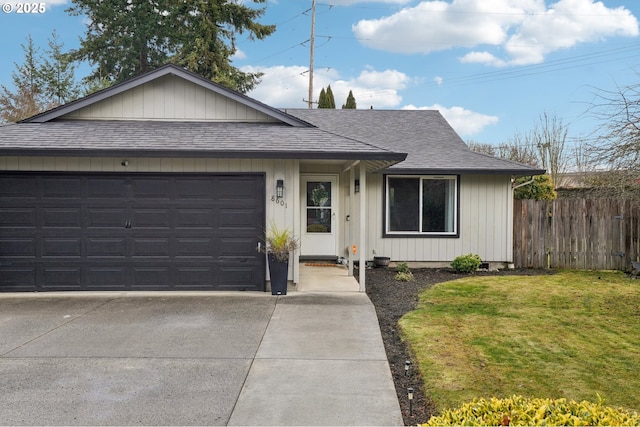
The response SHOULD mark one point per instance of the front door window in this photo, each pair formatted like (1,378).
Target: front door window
(319,207)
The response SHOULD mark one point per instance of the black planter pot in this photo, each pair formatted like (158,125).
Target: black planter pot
(278,271)
(381,261)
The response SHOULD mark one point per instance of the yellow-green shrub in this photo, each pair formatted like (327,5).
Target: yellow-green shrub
(403,274)
(520,411)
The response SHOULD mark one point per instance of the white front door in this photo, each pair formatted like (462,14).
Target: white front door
(319,215)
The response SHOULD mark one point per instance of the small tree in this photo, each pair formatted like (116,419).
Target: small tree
(351,102)
(549,137)
(541,188)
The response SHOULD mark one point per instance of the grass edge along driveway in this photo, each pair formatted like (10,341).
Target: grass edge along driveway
(573,334)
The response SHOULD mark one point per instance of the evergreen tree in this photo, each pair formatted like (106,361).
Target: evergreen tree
(326,100)
(41,82)
(351,102)
(58,74)
(331,102)
(27,99)
(126,38)
(322,99)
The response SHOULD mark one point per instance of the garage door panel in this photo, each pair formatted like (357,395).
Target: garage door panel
(194,218)
(55,277)
(17,218)
(61,248)
(18,248)
(106,218)
(151,218)
(106,187)
(200,277)
(238,218)
(61,218)
(107,278)
(237,278)
(194,188)
(151,248)
(152,277)
(106,248)
(237,188)
(19,187)
(131,231)
(238,247)
(195,247)
(159,188)
(62,188)
(17,278)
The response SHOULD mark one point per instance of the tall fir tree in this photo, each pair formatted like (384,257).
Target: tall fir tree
(27,98)
(41,82)
(330,99)
(322,99)
(58,74)
(351,102)
(326,100)
(126,38)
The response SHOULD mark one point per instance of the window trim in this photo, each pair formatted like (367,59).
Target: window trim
(421,234)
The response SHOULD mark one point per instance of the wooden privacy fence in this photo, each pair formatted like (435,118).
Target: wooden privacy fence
(581,234)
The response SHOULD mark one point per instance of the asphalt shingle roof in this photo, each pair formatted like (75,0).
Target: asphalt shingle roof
(159,138)
(431,143)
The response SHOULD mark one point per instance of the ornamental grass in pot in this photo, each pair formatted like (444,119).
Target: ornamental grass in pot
(280,243)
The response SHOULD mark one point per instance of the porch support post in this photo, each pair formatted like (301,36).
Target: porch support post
(362,250)
(352,218)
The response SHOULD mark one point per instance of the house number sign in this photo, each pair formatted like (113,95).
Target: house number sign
(278,201)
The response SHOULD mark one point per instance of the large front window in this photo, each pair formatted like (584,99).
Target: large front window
(421,205)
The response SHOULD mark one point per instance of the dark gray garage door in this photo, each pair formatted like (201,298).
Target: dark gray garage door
(131,232)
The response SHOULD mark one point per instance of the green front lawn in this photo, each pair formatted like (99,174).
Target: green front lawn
(571,334)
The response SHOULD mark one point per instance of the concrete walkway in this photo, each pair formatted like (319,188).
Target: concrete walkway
(193,359)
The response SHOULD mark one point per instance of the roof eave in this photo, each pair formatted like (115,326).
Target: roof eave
(389,159)
(459,171)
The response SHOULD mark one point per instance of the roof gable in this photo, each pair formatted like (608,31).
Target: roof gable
(168,93)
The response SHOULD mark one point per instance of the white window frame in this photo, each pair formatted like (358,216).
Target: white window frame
(455,199)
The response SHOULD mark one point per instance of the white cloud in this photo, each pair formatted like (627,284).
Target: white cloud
(286,87)
(525,30)
(239,54)
(465,122)
(439,80)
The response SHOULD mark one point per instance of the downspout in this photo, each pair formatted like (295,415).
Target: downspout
(523,184)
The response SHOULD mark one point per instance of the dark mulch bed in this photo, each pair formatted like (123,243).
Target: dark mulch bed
(392,300)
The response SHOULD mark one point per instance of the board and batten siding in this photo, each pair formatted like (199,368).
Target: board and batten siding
(283,214)
(486,224)
(169,98)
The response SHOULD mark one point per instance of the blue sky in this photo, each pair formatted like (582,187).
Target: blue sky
(492,67)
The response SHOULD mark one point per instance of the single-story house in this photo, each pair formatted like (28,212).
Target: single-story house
(168,181)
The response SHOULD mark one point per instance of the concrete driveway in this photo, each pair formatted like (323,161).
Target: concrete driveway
(193,359)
